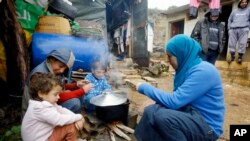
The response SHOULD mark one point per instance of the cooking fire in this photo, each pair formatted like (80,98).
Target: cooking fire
(95,129)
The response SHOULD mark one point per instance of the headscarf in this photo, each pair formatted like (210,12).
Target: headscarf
(187,51)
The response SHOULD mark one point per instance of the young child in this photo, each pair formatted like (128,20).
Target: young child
(44,119)
(58,62)
(98,79)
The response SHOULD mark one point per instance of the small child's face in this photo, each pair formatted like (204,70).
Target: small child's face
(53,95)
(98,73)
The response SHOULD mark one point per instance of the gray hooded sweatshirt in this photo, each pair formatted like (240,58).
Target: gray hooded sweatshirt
(62,54)
(239,18)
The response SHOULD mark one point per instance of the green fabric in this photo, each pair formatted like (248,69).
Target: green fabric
(74,25)
(28,14)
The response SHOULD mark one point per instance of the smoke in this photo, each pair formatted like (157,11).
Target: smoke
(114,75)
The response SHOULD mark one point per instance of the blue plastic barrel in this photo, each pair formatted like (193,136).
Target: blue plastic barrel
(85,49)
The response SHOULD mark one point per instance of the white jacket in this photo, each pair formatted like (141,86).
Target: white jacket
(42,117)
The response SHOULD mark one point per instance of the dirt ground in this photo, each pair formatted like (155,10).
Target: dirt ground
(237,100)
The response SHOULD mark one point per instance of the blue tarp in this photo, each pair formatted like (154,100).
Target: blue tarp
(84,49)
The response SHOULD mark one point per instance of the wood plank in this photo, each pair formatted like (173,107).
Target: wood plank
(132,82)
(125,128)
(129,72)
(133,77)
(81,73)
(115,75)
(149,79)
(154,61)
(77,76)
(119,132)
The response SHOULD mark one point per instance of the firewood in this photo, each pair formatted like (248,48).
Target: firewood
(149,79)
(112,136)
(132,83)
(87,127)
(129,71)
(125,128)
(119,132)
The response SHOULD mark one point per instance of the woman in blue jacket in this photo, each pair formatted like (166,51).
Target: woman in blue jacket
(194,111)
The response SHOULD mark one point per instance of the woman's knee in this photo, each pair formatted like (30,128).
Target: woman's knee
(150,109)
(166,116)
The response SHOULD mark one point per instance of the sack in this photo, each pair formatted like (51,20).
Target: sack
(28,14)
(53,24)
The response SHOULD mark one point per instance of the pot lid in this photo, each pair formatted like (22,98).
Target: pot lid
(109,98)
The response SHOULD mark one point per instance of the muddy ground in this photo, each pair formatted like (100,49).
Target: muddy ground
(237,99)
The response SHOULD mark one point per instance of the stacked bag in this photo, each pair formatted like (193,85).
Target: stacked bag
(35,15)
(51,24)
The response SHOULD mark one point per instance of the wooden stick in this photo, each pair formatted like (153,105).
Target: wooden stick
(118,132)
(125,128)
(112,136)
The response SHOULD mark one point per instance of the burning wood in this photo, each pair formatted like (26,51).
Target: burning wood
(125,128)
(112,136)
(90,130)
(118,132)
(95,129)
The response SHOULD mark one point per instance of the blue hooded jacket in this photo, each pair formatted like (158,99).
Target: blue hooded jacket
(197,83)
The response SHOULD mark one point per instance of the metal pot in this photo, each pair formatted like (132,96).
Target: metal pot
(111,106)
(109,98)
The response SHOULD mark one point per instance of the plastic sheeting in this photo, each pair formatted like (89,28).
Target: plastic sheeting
(89,9)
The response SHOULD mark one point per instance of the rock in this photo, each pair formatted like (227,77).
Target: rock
(145,73)
(155,69)
(163,74)
(129,62)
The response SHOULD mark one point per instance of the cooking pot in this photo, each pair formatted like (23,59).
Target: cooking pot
(111,106)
